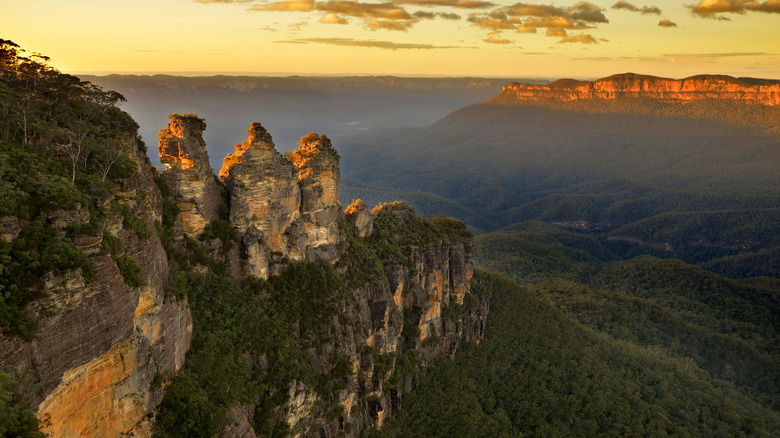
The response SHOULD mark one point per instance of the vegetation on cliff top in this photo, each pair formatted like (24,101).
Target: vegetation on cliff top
(62,142)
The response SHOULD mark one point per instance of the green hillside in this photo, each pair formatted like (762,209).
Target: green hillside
(727,327)
(538,373)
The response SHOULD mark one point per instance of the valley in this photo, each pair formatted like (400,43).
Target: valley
(610,266)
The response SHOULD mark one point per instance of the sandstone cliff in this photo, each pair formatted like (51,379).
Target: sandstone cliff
(630,85)
(407,307)
(283,208)
(188,173)
(100,342)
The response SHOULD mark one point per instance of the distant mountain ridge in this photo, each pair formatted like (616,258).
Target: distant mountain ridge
(632,85)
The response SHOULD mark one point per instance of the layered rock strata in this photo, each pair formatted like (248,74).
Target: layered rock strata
(188,173)
(100,344)
(630,85)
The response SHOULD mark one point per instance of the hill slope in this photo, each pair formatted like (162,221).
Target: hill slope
(592,164)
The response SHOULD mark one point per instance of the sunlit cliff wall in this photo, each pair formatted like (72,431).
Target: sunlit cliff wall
(629,85)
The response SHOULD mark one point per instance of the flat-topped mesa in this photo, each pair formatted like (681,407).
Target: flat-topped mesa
(630,85)
(188,173)
(265,200)
(318,178)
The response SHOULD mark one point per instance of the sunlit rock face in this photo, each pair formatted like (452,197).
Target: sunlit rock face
(265,200)
(759,91)
(318,179)
(283,207)
(358,213)
(188,173)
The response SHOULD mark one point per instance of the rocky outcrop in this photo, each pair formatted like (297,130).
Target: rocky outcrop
(358,213)
(188,173)
(283,207)
(630,85)
(99,344)
(319,175)
(412,312)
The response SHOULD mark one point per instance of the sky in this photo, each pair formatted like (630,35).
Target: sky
(579,39)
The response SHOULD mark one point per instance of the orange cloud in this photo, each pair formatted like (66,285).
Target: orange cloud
(555,32)
(767,6)
(667,23)
(464,4)
(286,5)
(527,18)
(364,10)
(710,8)
(644,10)
(583,38)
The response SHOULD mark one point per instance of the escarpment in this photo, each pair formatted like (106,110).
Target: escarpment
(356,303)
(629,85)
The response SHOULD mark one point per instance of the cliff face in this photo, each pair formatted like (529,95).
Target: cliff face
(283,208)
(416,308)
(99,342)
(188,173)
(109,342)
(629,85)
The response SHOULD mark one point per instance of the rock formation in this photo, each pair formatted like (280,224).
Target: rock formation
(106,349)
(283,210)
(358,213)
(318,173)
(188,173)
(630,85)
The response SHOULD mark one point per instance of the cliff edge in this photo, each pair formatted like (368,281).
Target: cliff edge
(631,85)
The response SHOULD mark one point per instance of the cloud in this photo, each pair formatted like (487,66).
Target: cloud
(367,43)
(425,15)
(667,23)
(583,38)
(448,15)
(495,21)
(333,19)
(222,1)
(464,4)
(364,10)
(402,25)
(767,6)
(644,10)
(492,38)
(286,5)
(528,17)
(711,8)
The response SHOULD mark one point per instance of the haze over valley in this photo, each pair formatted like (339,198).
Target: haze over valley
(453,219)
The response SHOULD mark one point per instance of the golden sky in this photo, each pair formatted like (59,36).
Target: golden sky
(401,37)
